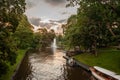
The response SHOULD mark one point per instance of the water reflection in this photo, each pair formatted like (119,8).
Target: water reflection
(49,66)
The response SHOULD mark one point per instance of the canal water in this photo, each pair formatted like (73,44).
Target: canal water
(49,65)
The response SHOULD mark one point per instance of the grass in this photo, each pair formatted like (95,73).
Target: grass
(12,68)
(107,58)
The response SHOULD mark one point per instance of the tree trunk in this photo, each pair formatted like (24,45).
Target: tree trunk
(109,28)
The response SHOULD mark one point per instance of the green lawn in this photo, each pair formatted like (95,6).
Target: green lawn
(13,67)
(107,58)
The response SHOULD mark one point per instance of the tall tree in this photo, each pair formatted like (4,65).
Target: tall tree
(97,23)
(23,33)
(10,13)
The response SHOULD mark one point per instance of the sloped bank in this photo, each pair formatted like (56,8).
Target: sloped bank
(12,68)
(98,72)
(107,58)
(18,65)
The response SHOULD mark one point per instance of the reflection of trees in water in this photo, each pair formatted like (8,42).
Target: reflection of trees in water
(75,73)
(32,76)
(24,68)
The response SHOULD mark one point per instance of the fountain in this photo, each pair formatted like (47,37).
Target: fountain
(54,45)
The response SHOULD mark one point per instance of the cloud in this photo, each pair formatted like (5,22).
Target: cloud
(58,21)
(38,22)
(62,21)
(42,23)
(31,3)
(63,13)
(35,21)
(55,2)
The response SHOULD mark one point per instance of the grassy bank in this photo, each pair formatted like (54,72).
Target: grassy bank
(107,58)
(13,67)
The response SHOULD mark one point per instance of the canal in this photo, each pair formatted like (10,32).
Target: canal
(49,65)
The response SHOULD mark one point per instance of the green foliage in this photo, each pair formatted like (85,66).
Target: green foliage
(10,14)
(16,33)
(47,38)
(23,34)
(72,32)
(60,41)
(12,68)
(4,68)
(42,40)
(95,25)
(36,43)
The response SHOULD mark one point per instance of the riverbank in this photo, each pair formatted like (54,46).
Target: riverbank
(107,58)
(12,68)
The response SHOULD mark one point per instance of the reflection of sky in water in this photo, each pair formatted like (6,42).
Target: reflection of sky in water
(49,9)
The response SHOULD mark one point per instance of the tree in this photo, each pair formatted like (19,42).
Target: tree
(97,23)
(23,34)
(47,38)
(36,42)
(10,13)
(42,39)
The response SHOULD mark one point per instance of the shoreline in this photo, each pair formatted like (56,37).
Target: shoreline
(107,58)
(18,66)
(13,68)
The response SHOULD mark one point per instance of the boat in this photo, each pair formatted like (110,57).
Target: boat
(103,74)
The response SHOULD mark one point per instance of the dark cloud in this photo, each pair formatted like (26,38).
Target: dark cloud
(38,22)
(35,21)
(58,21)
(31,3)
(55,2)
(61,21)
(47,25)
(63,13)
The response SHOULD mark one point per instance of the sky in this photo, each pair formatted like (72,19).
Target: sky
(45,10)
